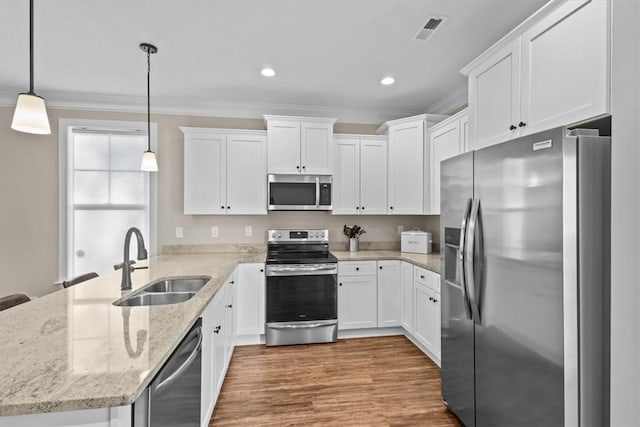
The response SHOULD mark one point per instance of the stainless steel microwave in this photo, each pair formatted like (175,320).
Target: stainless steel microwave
(299,192)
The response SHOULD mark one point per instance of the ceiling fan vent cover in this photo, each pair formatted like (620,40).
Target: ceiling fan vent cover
(429,28)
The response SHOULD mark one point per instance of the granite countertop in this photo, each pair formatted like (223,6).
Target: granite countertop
(73,349)
(429,261)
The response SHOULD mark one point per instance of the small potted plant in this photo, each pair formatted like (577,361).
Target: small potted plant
(353,233)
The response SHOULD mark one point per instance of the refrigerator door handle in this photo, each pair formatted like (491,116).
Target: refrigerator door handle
(469,262)
(462,257)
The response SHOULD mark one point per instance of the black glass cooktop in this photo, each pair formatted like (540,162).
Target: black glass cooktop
(299,254)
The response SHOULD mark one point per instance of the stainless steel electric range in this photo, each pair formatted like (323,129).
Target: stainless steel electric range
(302,292)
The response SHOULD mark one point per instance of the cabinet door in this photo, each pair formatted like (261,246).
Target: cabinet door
(444,143)
(283,141)
(204,175)
(389,293)
(229,324)
(346,180)
(317,148)
(373,177)
(424,315)
(406,169)
(219,356)
(250,305)
(357,302)
(246,175)
(494,98)
(407,297)
(437,325)
(565,75)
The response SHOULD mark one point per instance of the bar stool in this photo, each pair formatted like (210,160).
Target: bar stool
(78,279)
(13,300)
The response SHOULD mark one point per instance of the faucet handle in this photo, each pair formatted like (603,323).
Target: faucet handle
(119,265)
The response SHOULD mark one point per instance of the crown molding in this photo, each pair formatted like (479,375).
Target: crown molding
(428,118)
(191,106)
(453,101)
(329,120)
(221,131)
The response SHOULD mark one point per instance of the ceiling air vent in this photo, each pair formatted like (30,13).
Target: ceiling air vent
(429,27)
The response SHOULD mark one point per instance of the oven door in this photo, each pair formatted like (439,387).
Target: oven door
(302,304)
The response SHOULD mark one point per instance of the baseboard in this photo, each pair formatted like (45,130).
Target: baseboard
(370,332)
(422,348)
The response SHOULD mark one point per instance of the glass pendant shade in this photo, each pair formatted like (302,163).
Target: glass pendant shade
(30,115)
(149,163)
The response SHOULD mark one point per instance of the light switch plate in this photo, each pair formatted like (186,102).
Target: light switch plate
(179,233)
(215,232)
(248,231)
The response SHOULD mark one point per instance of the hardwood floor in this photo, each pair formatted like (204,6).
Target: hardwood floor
(382,381)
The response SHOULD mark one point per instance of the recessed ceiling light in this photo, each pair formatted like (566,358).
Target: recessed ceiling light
(268,72)
(387,81)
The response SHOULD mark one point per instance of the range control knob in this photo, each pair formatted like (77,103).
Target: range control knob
(273,235)
(322,235)
(279,235)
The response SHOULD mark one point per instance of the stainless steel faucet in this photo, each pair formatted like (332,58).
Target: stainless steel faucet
(127,265)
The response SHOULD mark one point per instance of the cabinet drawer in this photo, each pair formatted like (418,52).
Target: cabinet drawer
(357,268)
(426,277)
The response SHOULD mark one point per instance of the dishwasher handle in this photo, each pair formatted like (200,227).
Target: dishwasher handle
(184,366)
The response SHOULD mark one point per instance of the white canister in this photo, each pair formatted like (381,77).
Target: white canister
(416,241)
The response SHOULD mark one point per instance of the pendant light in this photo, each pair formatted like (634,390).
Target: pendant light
(30,115)
(149,162)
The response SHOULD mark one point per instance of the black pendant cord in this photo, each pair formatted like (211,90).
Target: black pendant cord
(148,100)
(31,92)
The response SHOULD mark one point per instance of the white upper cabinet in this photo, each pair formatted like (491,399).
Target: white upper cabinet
(360,175)
(284,146)
(408,163)
(204,173)
(552,70)
(494,94)
(446,140)
(566,76)
(224,172)
(300,145)
(246,174)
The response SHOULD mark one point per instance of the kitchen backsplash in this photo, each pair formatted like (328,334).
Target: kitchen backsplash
(381,231)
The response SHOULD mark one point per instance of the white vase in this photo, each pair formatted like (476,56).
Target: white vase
(353,244)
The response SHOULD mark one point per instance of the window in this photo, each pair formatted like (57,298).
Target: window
(103,194)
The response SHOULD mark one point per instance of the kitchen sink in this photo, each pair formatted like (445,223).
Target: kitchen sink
(168,290)
(186,284)
(154,299)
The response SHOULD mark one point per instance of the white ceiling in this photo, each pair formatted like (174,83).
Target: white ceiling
(329,55)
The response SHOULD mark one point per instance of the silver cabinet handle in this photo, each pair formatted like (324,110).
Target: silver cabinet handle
(462,257)
(185,365)
(470,268)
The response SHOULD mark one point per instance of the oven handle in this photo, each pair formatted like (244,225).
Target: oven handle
(323,269)
(301,325)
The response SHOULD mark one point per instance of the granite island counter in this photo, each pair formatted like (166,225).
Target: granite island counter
(72,349)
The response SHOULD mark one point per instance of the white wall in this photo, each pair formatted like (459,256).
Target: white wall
(625,215)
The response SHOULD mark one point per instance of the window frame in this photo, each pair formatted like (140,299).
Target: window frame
(66,206)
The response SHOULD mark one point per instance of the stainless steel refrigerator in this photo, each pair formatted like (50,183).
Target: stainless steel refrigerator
(525,289)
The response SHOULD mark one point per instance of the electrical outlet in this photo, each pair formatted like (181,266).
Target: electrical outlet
(248,231)
(400,229)
(215,232)
(179,233)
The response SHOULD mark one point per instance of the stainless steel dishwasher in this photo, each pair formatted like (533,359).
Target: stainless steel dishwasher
(173,397)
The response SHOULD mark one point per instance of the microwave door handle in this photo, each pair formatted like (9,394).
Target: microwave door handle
(317,191)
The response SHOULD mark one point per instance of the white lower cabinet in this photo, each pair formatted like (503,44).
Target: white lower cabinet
(407,296)
(357,295)
(217,346)
(426,308)
(250,300)
(389,293)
